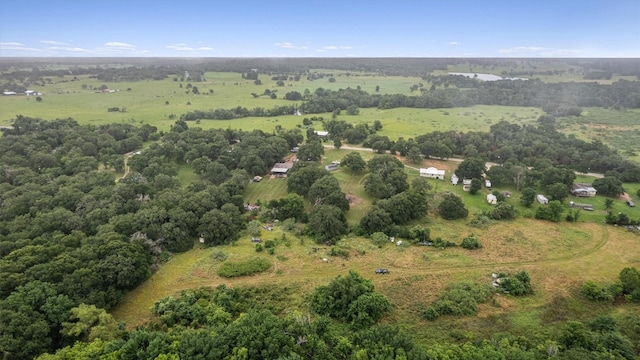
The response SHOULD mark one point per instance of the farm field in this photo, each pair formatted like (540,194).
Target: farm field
(559,258)
(159,103)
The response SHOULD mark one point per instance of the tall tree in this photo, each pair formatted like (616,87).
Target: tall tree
(327,223)
(354,162)
(471,168)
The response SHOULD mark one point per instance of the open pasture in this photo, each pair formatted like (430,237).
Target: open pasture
(160,103)
(559,258)
(619,129)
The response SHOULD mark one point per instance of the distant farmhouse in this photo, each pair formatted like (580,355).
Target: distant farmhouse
(322,134)
(432,173)
(583,190)
(492,199)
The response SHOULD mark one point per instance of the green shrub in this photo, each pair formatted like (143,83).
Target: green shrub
(442,243)
(339,252)
(379,239)
(458,300)
(259,248)
(244,268)
(471,242)
(517,285)
(597,292)
(218,256)
(480,221)
(271,250)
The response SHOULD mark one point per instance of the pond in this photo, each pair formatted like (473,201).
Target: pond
(484,77)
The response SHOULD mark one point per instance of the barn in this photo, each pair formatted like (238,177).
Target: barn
(432,173)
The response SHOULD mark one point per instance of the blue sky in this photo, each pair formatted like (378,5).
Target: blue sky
(328,28)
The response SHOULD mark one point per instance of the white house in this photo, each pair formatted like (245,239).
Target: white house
(466,184)
(322,133)
(432,173)
(492,199)
(454,179)
(8,93)
(542,199)
(583,190)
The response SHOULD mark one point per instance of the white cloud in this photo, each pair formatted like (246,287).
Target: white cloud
(115,44)
(184,47)
(523,49)
(288,45)
(53,42)
(15,46)
(333,47)
(69,49)
(453,43)
(539,51)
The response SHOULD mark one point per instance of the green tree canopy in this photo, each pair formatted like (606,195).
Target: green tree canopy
(451,207)
(327,223)
(608,186)
(471,168)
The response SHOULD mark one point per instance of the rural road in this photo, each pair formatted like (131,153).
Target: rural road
(488,164)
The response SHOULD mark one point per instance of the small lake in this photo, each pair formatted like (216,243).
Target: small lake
(484,77)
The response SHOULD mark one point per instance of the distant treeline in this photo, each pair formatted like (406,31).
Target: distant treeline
(560,99)
(379,66)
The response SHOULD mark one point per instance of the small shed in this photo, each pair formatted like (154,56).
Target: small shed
(432,173)
(466,184)
(331,167)
(281,168)
(322,133)
(542,199)
(487,184)
(454,179)
(492,199)
(586,207)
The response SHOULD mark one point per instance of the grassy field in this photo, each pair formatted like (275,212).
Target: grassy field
(159,103)
(559,258)
(619,129)
(153,102)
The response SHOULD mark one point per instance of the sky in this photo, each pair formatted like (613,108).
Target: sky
(320,28)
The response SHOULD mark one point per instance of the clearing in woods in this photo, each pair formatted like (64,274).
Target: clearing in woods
(559,257)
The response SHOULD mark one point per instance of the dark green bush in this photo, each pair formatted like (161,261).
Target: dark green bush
(471,242)
(244,268)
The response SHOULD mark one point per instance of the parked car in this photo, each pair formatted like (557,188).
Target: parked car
(382,271)
(630,203)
